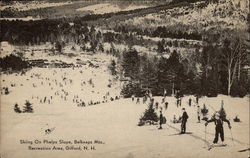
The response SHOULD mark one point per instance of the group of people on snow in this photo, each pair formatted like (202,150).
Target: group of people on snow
(218,118)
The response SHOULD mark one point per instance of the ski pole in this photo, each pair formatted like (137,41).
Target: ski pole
(205,135)
(232,136)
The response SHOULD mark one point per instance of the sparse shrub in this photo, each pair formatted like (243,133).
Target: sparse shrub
(6,91)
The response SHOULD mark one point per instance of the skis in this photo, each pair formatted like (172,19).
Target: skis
(216,145)
(244,150)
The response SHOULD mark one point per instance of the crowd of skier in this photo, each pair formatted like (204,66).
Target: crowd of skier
(218,117)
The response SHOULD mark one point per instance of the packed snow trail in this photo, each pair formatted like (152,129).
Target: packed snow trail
(190,134)
(115,124)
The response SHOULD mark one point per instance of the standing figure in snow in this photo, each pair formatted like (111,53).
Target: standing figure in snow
(199,113)
(156,105)
(184,121)
(218,121)
(133,97)
(166,105)
(138,101)
(161,120)
(197,99)
(190,102)
(163,100)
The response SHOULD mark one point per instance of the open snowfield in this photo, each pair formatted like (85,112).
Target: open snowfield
(103,8)
(33,5)
(114,123)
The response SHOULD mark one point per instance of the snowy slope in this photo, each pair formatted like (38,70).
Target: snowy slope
(112,122)
(115,123)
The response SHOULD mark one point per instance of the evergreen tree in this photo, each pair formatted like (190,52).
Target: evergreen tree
(112,67)
(131,64)
(160,46)
(222,111)
(28,108)
(149,115)
(17,109)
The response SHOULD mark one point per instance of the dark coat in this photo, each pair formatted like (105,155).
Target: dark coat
(184,116)
(219,122)
(161,119)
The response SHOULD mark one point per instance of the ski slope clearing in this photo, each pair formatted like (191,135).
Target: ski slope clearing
(108,8)
(115,124)
(83,103)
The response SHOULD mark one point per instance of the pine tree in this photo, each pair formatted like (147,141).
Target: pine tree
(112,67)
(149,115)
(222,111)
(17,109)
(28,108)
(204,110)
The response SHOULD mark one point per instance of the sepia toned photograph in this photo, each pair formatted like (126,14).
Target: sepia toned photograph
(124,79)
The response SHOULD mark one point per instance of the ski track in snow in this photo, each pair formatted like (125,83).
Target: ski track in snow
(192,135)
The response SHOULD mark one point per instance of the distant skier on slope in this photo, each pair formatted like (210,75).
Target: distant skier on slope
(161,120)
(190,102)
(199,113)
(218,121)
(184,121)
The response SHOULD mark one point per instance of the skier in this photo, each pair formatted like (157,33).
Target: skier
(138,101)
(166,105)
(199,113)
(197,99)
(161,120)
(156,105)
(189,101)
(163,100)
(218,120)
(133,97)
(183,121)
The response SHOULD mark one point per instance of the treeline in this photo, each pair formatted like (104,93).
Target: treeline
(192,1)
(160,31)
(210,72)
(42,31)
(16,63)
(62,32)
(11,12)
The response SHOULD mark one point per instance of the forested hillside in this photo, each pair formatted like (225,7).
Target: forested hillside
(193,47)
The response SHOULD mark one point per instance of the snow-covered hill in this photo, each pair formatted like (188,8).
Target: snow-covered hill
(57,96)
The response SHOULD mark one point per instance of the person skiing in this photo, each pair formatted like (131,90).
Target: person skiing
(166,105)
(197,99)
(218,121)
(190,102)
(199,113)
(138,101)
(161,120)
(184,121)
(133,97)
